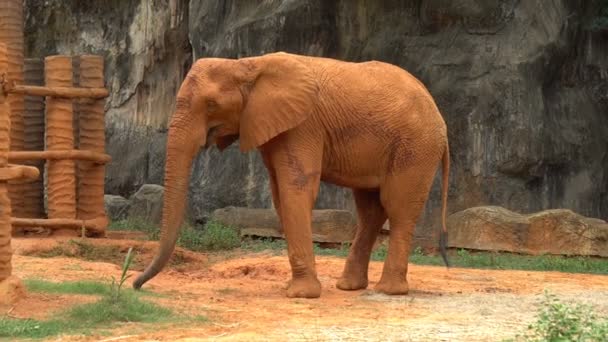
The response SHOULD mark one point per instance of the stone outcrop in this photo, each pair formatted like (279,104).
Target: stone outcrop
(556,231)
(147,203)
(335,226)
(523,86)
(117,207)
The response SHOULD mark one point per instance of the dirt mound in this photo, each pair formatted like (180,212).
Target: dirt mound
(254,268)
(104,250)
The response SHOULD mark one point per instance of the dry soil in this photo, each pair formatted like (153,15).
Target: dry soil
(243,297)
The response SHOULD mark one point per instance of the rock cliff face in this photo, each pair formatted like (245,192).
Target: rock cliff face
(523,86)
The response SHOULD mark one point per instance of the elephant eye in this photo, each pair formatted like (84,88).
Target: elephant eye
(211,105)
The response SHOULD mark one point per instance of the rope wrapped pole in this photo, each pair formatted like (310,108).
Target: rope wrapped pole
(61,183)
(11,34)
(33,119)
(91,176)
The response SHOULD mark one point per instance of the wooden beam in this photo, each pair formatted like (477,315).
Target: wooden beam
(62,92)
(94,225)
(100,158)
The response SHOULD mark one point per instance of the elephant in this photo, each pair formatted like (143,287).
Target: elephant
(369,126)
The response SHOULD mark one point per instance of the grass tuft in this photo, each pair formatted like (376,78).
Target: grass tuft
(83,287)
(115,306)
(129,308)
(218,237)
(214,237)
(559,321)
(136,224)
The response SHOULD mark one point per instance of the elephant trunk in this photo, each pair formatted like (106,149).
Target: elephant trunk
(181,149)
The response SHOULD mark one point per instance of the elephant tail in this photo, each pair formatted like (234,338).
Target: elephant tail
(443,235)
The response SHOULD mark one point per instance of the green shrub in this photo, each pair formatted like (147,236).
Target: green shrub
(600,22)
(214,237)
(558,321)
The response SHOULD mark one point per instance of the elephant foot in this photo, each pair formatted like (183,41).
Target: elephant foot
(350,283)
(304,288)
(392,287)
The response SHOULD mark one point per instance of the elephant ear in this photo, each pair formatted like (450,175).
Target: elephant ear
(282,94)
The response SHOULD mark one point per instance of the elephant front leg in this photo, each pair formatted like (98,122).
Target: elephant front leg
(297,183)
(371,218)
(295,211)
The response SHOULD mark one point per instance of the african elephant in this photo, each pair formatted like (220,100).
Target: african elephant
(369,126)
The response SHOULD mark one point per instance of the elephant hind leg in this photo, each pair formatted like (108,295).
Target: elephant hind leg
(371,216)
(403,196)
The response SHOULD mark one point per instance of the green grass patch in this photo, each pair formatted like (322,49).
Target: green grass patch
(458,258)
(83,287)
(34,329)
(136,224)
(500,261)
(130,308)
(275,246)
(214,237)
(81,319)
(560,321)
(115,306)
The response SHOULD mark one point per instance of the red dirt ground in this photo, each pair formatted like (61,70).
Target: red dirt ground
(243,297)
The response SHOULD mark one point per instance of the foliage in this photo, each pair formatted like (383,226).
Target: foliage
(128,307)
(600,22)
(264,244)
(115,305)
(34,329)
(214,237)
(218,237)
(137,224)
(558,321)
(83,287)
(116,286)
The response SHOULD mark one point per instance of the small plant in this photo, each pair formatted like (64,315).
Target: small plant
(84,287)
(116,286)
(264,244)
(215,237)
(136,224)
(558,321)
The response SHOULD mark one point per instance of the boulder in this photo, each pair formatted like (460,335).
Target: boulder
(558,231)
(333,226)
(147,203)
(117,207)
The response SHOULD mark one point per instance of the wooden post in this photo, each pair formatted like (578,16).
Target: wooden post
(61,181)
(11,34)
(10,286)
(91,176)
(33,119)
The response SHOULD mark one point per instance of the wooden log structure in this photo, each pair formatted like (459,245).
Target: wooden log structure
(11,287)
(94,226)
(33,121)
(61,174)
(11,34)
(91,137)
(62,92)
(90,156)
(72,206)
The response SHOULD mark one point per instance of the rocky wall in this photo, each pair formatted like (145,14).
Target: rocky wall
(523,86)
